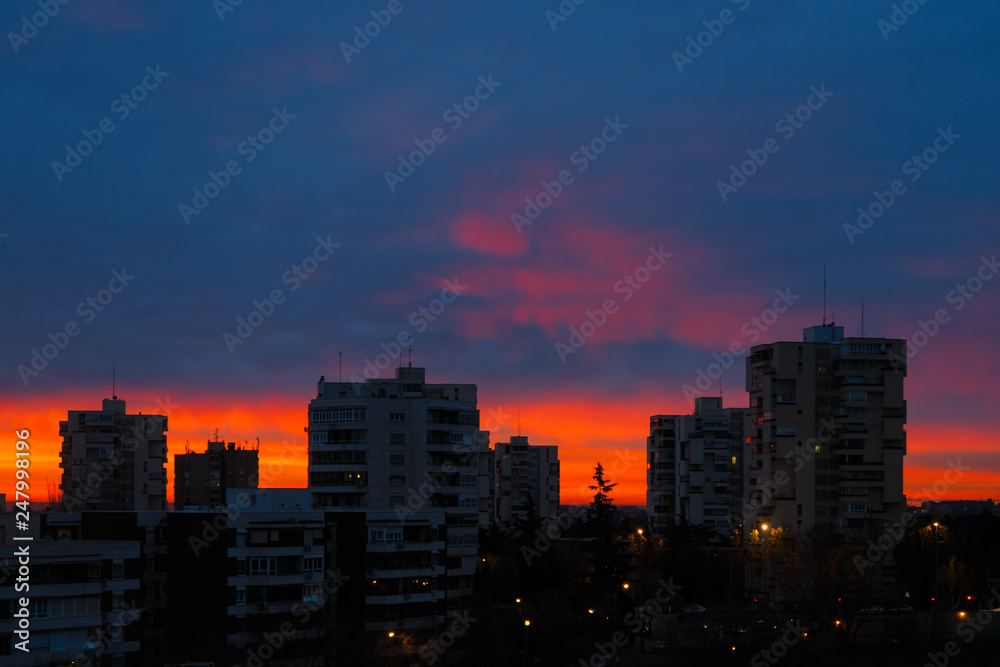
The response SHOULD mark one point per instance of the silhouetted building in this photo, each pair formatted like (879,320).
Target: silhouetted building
(404,454)
(826,439)
(527,482)
(111,460)
(695,467)
(201,479)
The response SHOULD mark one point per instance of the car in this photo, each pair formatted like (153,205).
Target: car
(875,609)
(903,609)
(692,609)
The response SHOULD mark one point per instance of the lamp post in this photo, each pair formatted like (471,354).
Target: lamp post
(601,616)
(767,589)
(526,624)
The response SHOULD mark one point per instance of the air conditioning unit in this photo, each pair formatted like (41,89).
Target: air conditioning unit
(262,604)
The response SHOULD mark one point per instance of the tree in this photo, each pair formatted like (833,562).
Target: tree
(603,503)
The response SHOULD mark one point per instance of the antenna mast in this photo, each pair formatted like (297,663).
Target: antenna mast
(824,295)
(862,315)
(114,393)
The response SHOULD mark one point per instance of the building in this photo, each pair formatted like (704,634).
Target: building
(403,455)
(695,467)
(83,597)
(201,479)
(527,482)
(111,460)
(825,440)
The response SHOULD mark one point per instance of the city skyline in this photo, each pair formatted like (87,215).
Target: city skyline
(610,205)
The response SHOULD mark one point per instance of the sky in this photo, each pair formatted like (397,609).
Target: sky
(584,209)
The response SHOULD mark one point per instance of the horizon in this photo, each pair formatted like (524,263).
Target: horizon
(591,216)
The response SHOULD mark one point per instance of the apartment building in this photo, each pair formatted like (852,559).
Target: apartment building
(826,437)
(202,478)
(112,460)
(404,454)
(527,482)
(695,467)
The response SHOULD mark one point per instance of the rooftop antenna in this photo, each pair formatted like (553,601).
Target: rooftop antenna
(824,295)
(216,434)
(114,393)
(340,362)
(862,315)
(409,356)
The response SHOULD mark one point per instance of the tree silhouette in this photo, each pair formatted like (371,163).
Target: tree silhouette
(603,503)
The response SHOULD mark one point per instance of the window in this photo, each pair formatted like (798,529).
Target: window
(471,418)
(468,479)
(468,500)
(786,430)
(397,416)
(397,438)
(241,567)
(241,596)
(397,459)
(340,416)
(94,571)
(40,609)
(312,564)
(263,565)
(385,534)
(312,592)
(117,601)
(319,436)
(118,570)
(860,396)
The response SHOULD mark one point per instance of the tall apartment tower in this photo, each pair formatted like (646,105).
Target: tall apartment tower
(695,470)
(111,460)
(404,454)
(201,479)
(527,480)
(825,441)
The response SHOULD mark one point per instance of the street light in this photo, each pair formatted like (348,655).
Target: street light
(526,624)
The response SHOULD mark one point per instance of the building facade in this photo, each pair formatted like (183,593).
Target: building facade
(112,460)
(695,467)
(527,482)
(404,455)
(201,479)
(826,438)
